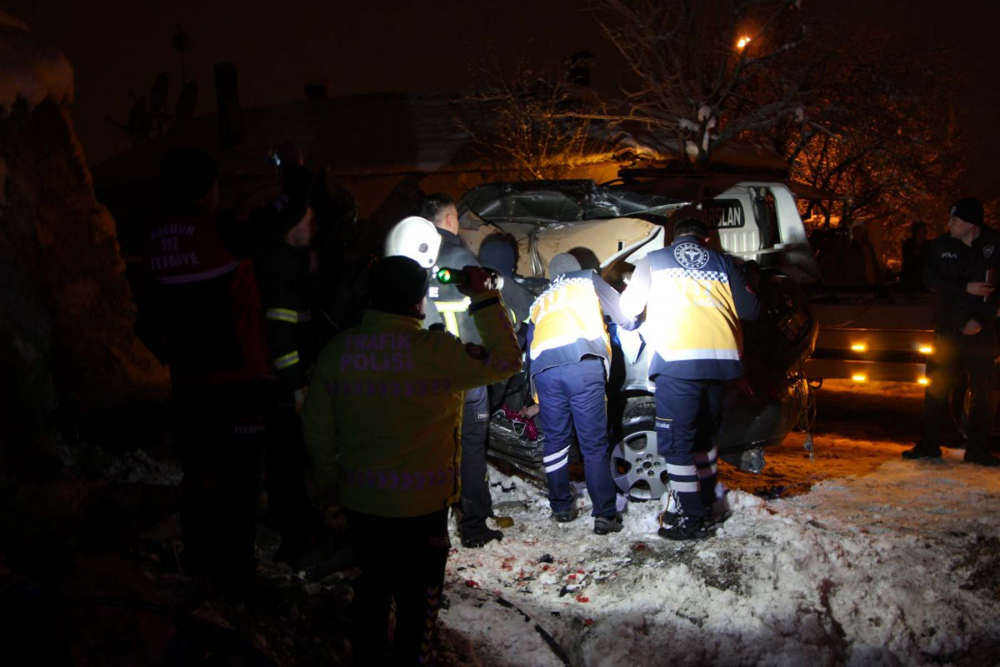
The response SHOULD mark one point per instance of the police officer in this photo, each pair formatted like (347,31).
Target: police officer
(201,314)
(570,356)
(282,265)
(449,307)
(961,269)
(381,422)
(694,299)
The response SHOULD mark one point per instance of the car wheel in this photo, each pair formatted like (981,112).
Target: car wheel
(636,466)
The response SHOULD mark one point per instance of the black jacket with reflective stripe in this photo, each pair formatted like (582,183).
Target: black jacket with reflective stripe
(285,289)
(445,304)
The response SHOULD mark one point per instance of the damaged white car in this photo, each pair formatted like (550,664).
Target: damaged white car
(609,228)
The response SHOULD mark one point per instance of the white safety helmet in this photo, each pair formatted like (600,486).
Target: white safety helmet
(416,238)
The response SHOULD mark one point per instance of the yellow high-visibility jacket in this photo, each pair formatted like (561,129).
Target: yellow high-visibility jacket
(384,412)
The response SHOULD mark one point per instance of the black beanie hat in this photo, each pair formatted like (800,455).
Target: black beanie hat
(186,175)
(397,285)
(969,209)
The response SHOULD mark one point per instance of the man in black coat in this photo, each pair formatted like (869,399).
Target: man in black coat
(448,307)
(961,270)
(283,268)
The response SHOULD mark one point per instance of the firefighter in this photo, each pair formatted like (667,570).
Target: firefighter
(381,422)
(200,312)
(282,265)
(449,307)
(569,361)
(693,298)
(960,269)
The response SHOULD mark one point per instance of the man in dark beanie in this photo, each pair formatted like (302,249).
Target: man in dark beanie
(381,424)
(961,269)
(282,263)
(200,312)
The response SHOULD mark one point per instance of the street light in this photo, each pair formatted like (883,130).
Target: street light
(743,41)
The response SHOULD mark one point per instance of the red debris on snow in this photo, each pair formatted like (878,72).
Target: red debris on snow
(588,621)
(582,598)
(639,546)
(471,584)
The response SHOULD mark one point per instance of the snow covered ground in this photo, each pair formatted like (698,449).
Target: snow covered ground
(897,563)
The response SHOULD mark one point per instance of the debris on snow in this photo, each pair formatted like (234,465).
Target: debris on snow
(898,566)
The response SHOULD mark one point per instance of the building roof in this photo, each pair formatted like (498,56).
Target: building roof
(378,134)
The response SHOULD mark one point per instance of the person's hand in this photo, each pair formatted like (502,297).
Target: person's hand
(529,411)
(300,398)
(972,327)
(980,289)
(478,283)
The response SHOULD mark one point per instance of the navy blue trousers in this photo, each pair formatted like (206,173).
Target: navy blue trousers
(688,412)
(573,396)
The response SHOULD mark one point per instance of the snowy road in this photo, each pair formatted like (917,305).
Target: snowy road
(886,562)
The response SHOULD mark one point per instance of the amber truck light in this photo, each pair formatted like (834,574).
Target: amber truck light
(923,381)
(859,377)
(926,349)
(859,347)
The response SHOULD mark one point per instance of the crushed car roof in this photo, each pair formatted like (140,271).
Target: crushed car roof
(559,201)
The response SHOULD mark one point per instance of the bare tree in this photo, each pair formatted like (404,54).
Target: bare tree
(693,64)
(879,129)
(537,126)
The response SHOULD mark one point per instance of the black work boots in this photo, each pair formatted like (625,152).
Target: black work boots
(686,529)
(980,457)
(922,452)
(480,540)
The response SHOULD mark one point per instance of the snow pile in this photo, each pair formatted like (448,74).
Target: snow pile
(30,69)
(897,567)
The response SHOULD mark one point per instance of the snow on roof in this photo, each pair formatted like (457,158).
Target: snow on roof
(31,69)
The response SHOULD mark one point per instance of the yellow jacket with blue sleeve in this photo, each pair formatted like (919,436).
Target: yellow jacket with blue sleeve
(567,321)
(383,415)
(694,299)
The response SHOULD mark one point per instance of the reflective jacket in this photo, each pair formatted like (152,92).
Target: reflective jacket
(567,321)
(383,415)
(283,275)
(694,299)
(201,310)
(445,304)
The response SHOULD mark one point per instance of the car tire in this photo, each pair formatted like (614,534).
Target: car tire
(637,469)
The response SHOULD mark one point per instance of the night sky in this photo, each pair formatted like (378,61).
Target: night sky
(118,46)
